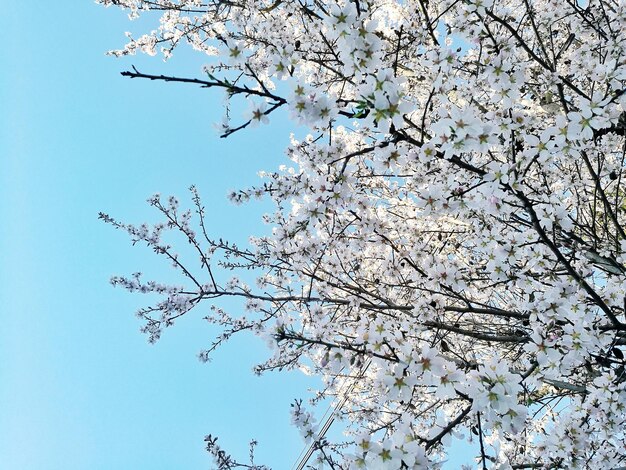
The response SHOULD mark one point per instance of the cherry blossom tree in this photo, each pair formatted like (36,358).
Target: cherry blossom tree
(448,251)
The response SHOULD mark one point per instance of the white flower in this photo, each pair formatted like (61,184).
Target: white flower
(257,113)
(235,52)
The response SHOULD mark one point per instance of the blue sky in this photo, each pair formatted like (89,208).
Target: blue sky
(80,388)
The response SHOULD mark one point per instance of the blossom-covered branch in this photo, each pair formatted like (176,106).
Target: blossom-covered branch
(448,250)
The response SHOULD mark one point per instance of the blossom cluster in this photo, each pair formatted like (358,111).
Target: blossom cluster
(448,242)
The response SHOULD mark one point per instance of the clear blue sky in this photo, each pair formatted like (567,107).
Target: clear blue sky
(79,386)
